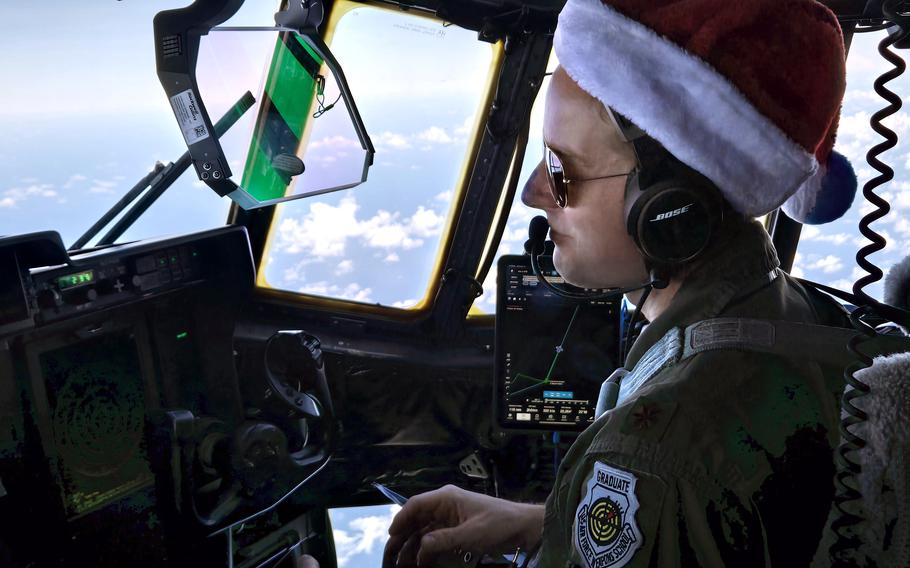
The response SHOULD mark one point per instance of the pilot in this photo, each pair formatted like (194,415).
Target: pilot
(724,458)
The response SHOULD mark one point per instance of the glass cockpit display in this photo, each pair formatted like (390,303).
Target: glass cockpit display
(552,354)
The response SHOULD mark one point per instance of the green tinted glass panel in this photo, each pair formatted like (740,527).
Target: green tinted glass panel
(286,106)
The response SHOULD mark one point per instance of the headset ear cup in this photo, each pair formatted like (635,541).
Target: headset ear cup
(672,222)
(671,211)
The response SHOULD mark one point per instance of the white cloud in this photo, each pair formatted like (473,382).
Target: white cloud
(436,135)
(404,303)
(344,267)
(842,284)
(392,140)
(466,126)
(515,235)
(296,273)
(521,213)
(73,180)
(426,222)
(859,96)
(861,241)
(809,232)
(828,264)
(335,142)
(353,291)
(102,186)
(15,195)
(325,230)
(362,535)
(797,272)
(901,199)
(837,238)
(812,233)
(384,231)
(322,232)
(445,196)
(902,226)
(487,299)
(392,257)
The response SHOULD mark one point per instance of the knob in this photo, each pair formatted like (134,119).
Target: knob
(80,296)
(49,299)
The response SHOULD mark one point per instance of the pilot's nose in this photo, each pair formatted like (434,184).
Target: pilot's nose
(536,192)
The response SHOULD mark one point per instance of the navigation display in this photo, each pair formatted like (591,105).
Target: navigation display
(552,354)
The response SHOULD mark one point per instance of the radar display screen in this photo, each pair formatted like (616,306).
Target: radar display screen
(94,418)
(552,354)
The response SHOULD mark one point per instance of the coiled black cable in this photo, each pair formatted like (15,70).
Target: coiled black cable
(848,468)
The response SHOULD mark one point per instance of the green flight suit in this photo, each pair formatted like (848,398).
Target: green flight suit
(724,459)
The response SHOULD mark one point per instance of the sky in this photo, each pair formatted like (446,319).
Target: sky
(83,117)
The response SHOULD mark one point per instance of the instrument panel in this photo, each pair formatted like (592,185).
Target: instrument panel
(91,345)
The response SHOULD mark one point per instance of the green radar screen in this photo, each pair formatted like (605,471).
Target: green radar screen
(552,354)
(96,402)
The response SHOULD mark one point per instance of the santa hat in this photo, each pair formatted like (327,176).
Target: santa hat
(746,92)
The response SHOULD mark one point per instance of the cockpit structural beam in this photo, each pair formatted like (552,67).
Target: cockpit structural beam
(522,72)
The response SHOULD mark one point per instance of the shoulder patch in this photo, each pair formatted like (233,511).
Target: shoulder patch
(606,533)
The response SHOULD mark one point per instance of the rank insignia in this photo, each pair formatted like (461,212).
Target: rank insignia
(606,533)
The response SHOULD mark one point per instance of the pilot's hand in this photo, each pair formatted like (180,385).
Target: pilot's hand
(451,518)
(307,561)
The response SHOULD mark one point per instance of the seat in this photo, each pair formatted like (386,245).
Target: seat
(884,481)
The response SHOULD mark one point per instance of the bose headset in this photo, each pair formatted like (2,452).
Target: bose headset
(671,211)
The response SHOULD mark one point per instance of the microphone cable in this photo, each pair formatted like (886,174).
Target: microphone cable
(845,525)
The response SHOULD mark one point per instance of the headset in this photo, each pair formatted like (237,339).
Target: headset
(671,212)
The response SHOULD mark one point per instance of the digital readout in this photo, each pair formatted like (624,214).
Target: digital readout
(76,280)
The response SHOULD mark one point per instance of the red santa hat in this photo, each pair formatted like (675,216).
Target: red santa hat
(747,92)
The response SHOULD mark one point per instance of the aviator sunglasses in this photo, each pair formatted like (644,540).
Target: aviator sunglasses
(559,183)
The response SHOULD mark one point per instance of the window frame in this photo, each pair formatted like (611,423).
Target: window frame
(260,223)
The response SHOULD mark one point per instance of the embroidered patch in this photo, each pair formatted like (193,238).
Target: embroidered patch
(606,533)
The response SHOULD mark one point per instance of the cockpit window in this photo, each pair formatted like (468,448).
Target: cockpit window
(360,534)
(826,253)
(420,85)
(84,118)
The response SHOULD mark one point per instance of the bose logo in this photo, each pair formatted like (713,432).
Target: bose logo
(674,213)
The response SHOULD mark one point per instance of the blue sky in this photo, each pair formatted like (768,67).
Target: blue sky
(83,117)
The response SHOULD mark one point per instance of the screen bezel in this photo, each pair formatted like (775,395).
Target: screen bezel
(499,420)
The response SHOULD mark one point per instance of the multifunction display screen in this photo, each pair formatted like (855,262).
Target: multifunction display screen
(95,419)
(552,354)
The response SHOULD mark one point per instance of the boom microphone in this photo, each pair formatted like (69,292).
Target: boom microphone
(536,245)
(537,233)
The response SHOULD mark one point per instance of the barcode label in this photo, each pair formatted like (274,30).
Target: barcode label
(189,117)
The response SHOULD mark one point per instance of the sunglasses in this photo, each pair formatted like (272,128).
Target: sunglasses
(559,183)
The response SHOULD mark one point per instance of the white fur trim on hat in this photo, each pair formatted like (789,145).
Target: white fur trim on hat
(682,102)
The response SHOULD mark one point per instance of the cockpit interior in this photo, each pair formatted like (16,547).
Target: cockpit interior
(323,300)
